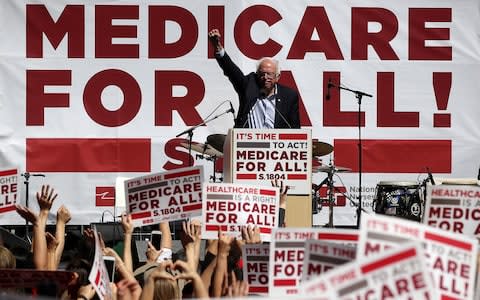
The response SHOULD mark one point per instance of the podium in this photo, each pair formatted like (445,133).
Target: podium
(258,156)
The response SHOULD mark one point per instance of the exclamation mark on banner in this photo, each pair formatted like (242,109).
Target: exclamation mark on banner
(442,83)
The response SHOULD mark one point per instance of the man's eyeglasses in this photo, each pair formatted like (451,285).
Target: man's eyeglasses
(269,75)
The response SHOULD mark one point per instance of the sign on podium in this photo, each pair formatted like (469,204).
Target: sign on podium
(260,156)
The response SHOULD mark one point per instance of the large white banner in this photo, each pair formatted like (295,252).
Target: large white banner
(90,90)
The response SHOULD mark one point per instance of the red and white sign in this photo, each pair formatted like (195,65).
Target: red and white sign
(287,252)
(451,258)
(229,207)
(260,156)
(9,193)
(91,90)
(255,267)
(98,276)
(454,208)
(166,196)
(398,273)
(322,256)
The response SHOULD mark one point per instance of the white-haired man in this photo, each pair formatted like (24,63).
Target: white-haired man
(263,102)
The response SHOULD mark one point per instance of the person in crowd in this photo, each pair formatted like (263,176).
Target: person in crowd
(264,103)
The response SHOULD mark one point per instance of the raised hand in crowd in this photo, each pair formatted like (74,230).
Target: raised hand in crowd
(238,288)
(63,217)
(152,253)
(127,225)
(128,289)
(189,273)
(45,200)
(191,238)
(251,234)
(224,245)
(52,245)
(161,284)
(120,267)
(283,201)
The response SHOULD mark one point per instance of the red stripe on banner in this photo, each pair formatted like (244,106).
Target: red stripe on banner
(192,207)
(8,172)
(395,156)
(284,282)
(268,192)
(448,241)
(258,289)
(297,176)
(88,155)
(265,230)
(338,236)
(7,209)
(292,136)
(140,215)
(445,297)
(246,176)
(216,227)
(389,260)
(182,174)
(97,277)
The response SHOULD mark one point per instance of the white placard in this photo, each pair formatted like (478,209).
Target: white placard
(454,208)
(451,258)
(255,267)
(229,207)
(398,273)
(165,196)
(287,251)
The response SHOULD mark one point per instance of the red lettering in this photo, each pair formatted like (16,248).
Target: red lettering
(38,100)
(92,98)
(166,102)
(418,34)
(105,31)
(386,114)
(216,19)
(315,19)
(380,41)
(332,115)
(245,22)
(159,47)
(171,151)
(71,22)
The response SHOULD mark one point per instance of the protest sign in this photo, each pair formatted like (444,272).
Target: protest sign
(321,256)
(451,258)
(287,251)
(165,196)
(398,273)
(454,208)
(228,207)
(9,194)
(262,155)
(255,267)
(98,276)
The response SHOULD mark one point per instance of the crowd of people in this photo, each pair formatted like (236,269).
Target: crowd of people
(165,274)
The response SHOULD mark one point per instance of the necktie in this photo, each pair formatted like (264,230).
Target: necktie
(263,114)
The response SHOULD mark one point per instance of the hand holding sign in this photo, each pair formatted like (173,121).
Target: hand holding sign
(224,243)
(251,234)
(283,192)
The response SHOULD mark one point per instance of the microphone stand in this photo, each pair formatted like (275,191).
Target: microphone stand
(27,183)
(190,130)
(358,95)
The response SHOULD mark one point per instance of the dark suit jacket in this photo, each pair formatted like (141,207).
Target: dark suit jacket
(248,90)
